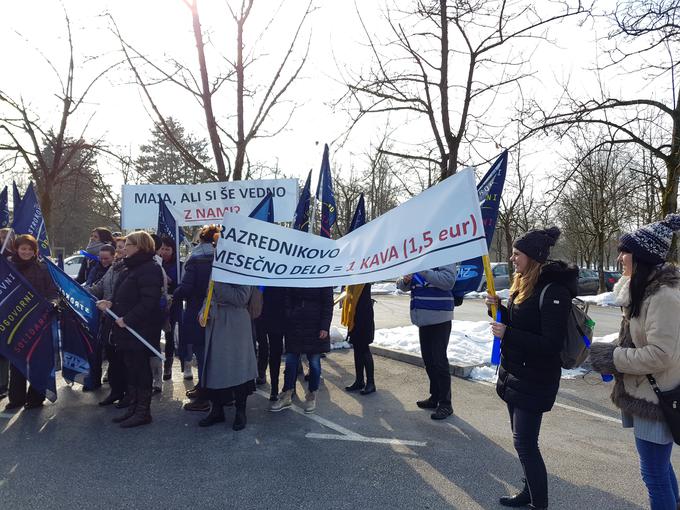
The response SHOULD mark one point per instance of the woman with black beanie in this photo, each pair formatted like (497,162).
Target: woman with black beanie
(532,330)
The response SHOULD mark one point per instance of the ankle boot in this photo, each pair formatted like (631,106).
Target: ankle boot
(522,498)
(142,414)
(216,415)
(239,419)
(369,388)
(167,369)
(356,386)
(130,408)
(113,397)
(128,399)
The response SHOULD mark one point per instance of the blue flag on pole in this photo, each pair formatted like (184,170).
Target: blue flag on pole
(83,304)
(4,208)
(16,197)
(79,325)
(490,188)
(167,226)
(28,219)
(359,217)
(324,193)
(302,210)
(265,209)
(26,338)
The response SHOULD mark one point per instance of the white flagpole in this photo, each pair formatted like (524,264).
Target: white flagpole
(9,235)
(137,335)
(312,205)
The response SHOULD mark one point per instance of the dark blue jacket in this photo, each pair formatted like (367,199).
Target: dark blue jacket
(433,302)
(193,288)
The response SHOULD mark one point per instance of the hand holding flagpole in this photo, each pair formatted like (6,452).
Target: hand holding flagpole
(495,311)
(136,335)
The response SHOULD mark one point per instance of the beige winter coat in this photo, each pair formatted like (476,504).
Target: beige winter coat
(656,336)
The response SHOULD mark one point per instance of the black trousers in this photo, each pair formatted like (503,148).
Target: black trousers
(363,362)
(96,360)
(526,425)
(117,371)
(275,353)
(138,369)
(262,350)
(434,340)
(17,389)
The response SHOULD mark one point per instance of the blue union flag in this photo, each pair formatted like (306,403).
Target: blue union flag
(471,272)
(26,330)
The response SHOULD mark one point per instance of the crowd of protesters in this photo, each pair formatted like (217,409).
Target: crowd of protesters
(245,330)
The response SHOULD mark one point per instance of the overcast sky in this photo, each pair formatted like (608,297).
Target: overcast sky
(162,29)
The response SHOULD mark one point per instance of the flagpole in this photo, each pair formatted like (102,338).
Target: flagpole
(9,235)
(137,335)
(495,312)
(312,206)
(177,262)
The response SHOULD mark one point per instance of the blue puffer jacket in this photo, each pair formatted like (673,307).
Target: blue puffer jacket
(432,303)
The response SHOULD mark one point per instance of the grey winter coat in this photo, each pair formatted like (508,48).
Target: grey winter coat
(444,278)
(229,351)
(103,289)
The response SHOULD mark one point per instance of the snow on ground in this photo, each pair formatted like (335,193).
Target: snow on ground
(605,299)
(503,294)
(470,344)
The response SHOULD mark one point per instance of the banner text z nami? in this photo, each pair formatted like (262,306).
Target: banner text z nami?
(440,226)
(201,204)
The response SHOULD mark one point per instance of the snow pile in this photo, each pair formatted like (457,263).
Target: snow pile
(470,344)
(338,336)
(383,288)
(605,299)
(503,294)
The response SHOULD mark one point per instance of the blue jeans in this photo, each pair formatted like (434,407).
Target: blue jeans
(658,475)
(290,375)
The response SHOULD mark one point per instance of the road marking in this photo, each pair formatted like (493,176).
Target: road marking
(344,434)
(364,439)
(568,407)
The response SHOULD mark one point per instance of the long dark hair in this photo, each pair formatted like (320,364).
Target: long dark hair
(642,271)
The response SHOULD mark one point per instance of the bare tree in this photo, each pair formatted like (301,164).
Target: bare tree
(642,43)
(417,71)
(255,99)
(28,137)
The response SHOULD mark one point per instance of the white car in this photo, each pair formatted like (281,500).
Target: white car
(72,265)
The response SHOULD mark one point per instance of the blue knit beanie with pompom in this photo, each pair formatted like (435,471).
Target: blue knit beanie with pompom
(650,243)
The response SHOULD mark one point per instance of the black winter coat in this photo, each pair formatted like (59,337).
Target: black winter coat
(308,311)
(529,375)
(137,299)
(273,318)
(193,289)
(364,324)
(38,276)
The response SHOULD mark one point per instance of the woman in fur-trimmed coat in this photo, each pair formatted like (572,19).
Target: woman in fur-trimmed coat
(648,343)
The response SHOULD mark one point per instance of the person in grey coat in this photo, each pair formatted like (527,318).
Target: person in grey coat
(432,312)
(230,367)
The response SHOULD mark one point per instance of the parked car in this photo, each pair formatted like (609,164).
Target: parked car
(72,265)
(588,282)
(610,279)
(501,278)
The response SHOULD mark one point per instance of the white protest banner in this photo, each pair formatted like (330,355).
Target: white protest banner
(440,226)
(199,204)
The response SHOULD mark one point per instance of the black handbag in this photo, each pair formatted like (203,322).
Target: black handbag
(669,401)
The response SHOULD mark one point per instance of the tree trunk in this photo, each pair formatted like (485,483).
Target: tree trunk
(669,200)
(240,136)
(207,97)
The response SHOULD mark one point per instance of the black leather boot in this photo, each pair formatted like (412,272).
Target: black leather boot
(216,415)
(520,499)
(239,419)
(142,414)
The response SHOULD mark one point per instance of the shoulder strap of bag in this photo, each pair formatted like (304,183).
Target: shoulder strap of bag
(652,381)
(540,299)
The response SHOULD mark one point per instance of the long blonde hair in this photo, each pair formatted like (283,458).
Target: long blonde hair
(523,283)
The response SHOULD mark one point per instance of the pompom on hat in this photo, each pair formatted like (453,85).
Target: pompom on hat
(651,243)
(536,244)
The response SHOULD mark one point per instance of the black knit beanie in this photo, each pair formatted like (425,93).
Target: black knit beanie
(536,244)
